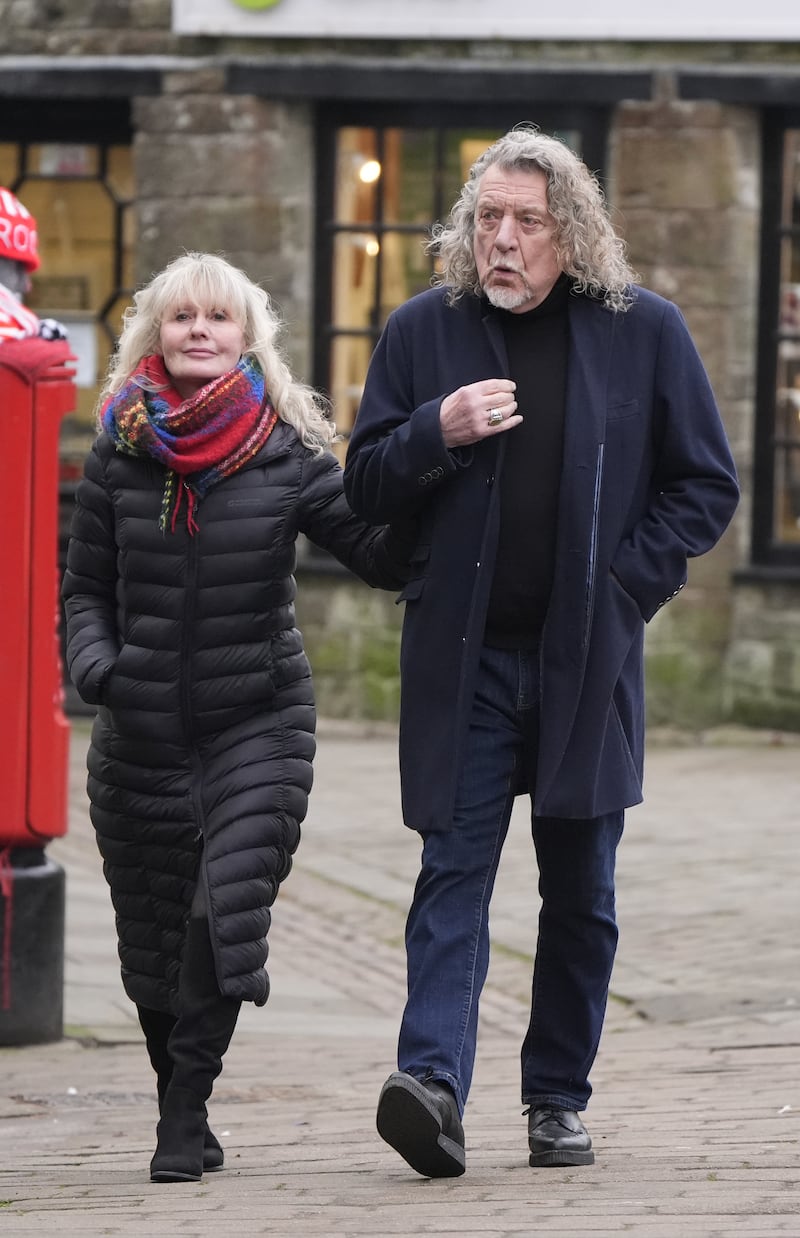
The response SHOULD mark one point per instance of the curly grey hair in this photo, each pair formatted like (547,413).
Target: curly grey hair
(588,248)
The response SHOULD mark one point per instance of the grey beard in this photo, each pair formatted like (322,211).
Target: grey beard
(507,298)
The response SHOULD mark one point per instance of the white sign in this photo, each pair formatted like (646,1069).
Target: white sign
(768,20)
(82,336)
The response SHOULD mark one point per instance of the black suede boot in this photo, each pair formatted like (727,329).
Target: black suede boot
(179,1152)
(157,1027)
(197,1043)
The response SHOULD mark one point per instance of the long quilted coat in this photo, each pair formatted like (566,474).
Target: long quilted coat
(201,751)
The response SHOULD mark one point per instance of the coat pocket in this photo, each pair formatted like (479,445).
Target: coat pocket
(106,687)
(619,412)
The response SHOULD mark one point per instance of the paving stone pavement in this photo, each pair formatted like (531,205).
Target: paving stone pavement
(696,1110)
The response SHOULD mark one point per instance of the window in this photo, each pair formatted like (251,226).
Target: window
(787,395)
(776,497)
(71,166)
(382,185)
(78,194)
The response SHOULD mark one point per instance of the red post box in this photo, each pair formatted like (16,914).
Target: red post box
(36,390)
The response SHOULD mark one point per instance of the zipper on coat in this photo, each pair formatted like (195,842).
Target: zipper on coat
(192,555)
(592,565)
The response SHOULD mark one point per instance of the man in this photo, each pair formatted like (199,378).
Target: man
(19,257)
(551,431)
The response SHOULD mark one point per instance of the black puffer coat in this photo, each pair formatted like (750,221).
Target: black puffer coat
(200,760)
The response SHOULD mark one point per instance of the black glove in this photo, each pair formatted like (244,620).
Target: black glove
(50,329)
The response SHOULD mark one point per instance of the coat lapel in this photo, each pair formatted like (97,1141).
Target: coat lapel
(566,634)
(591,332)
(590,351)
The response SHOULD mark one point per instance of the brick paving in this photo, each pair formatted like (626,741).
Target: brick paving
(696,1111)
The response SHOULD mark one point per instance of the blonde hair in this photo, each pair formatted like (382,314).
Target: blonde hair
(587,246)
(209,280)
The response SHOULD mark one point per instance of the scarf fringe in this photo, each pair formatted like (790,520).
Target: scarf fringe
(173,486)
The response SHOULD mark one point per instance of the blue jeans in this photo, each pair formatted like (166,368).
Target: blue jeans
(447,934)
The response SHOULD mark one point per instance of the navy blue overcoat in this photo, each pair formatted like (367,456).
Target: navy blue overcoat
(647,482)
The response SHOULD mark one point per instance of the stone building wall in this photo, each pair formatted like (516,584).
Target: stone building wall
(109,28)
(88,28)
(685,186)
(762,673)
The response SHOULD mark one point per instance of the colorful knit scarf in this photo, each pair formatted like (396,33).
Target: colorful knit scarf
(209,436)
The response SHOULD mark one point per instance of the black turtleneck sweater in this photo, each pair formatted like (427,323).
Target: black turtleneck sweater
(536,343)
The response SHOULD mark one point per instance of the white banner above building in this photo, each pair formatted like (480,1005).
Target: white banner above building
(769,20)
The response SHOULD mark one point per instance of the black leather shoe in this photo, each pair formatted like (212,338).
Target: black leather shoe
(421,1122)
(558,1137)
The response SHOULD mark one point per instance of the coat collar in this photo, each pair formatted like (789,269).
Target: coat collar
(591,336)
(279,443)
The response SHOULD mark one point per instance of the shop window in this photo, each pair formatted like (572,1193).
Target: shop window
(787,404)
(382,185)
(80,195)
(776,484)
(71,167)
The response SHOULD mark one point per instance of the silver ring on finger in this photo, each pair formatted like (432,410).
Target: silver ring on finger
(495,417)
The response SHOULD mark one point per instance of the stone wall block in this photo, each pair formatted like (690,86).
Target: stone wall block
(150,15)
(184,166)
(695,238)
(689,256)
(692,288)
(282,272)
(146,14)
(685,183)
(678,170)
(63,15)
(352,637)
(200,113)
(671,116)
(738,421)
(167,226)
(710,576)
(767,612)
(206,80)
(108,42)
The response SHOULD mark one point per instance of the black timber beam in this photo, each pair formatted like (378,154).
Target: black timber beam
(290,78)
(77,80)
(759,88)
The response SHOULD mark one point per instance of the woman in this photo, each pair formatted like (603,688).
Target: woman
(179,598)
